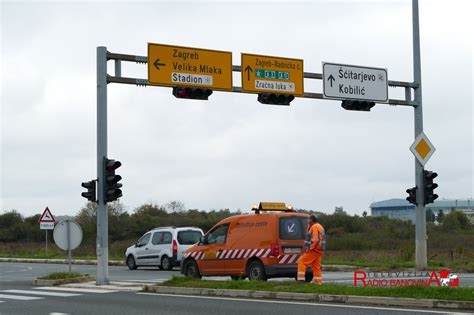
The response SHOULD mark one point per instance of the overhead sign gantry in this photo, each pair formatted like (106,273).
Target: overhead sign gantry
(189,70)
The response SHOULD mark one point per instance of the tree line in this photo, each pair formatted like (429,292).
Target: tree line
(344,231)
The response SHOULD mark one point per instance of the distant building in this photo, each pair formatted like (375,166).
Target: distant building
(403,210)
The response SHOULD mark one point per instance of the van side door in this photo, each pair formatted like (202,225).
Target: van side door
(212,262)
(142,251)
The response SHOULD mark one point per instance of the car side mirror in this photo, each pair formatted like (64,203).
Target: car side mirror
(137,244)
(203,240)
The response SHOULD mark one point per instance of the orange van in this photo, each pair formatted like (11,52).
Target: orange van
(259,246)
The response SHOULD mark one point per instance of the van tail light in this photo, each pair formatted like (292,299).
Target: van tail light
(275,249)
(175,248)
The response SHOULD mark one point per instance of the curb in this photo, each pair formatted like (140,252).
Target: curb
(309,297)
(56,282)
(60,261)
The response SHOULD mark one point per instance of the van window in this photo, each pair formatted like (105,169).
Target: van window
(166,239)
(218,235)
(293,228)
(144,240)
(156,239)
(189,237)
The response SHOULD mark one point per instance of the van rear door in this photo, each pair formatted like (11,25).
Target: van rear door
(291,233)
(186,239)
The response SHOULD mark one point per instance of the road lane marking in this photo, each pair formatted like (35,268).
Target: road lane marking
(304,303)
(85,290)
(41,293)
(19,297)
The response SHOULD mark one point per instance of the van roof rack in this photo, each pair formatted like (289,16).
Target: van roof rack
(272,206)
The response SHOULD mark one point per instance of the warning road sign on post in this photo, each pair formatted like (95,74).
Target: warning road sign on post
(186,66)
(46,220)
(354,82)
(272,75)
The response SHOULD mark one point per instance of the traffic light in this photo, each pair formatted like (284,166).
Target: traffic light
(412,195)
(91,190)
(357,105)
(191,93)
(428,177)
(275,99)
(112,186)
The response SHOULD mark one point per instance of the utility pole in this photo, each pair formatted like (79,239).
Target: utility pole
(420,233)
(102,249)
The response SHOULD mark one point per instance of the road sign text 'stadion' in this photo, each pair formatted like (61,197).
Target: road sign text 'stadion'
(186,66)
(265,74)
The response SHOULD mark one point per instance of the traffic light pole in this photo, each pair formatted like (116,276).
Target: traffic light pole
(102,248)
(420,232)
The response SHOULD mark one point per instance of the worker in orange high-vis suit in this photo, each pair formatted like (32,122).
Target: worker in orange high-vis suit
(314,246)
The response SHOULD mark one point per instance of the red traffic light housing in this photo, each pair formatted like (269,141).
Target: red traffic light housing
(430,186)
(192,93)
(90,194)
(364,106)
(412,195)
(111,186)
(275,99)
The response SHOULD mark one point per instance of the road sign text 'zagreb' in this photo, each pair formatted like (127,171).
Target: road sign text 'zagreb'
(272,75)
(186,66)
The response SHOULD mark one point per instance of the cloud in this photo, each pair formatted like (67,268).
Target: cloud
(230,151)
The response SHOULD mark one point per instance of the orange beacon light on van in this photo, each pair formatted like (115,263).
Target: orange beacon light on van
(272,206)
(261,245)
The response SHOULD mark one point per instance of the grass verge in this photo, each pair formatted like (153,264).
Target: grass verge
(63,275)
(438,293)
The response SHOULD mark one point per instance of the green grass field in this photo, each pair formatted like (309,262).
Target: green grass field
(441,293)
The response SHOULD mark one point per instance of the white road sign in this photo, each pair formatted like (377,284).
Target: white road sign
(67,235)
(47,225)
(354,82)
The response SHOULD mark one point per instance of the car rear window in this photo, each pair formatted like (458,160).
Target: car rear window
(189,237)
(293,228)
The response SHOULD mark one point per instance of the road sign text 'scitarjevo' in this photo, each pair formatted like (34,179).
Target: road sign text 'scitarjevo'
(191,67)
(354,82)
(266,74)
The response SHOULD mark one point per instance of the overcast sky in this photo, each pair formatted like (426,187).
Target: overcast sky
(231,151)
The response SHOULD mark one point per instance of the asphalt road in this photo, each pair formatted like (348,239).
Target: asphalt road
(22,298)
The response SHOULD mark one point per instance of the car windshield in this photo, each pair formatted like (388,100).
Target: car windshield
(189,237)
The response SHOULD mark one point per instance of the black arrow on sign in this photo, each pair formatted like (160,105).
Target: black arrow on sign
(331,79)
(248,70)
(158,64)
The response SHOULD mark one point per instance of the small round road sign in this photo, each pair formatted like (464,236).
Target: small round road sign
(67,235)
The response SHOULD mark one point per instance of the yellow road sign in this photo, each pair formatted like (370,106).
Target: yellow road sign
(272,75)
(422,148)
(187,66)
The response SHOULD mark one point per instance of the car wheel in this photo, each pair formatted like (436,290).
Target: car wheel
(191,269)
(131,263)
(256,271)
(166,263)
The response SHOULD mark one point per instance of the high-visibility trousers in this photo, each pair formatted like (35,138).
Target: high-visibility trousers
(313,259)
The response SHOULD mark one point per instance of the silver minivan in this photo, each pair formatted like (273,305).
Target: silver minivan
(162,247)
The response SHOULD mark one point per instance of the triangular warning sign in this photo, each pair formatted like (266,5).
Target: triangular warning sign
(47,216)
